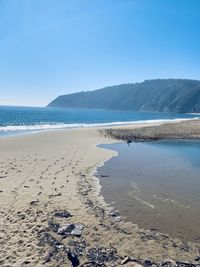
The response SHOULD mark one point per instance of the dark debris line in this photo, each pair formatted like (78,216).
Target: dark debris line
(151,133)
(53,235)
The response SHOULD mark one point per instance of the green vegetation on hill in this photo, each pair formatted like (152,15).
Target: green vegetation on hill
(161,95)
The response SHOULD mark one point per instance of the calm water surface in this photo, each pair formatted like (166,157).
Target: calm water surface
(156,185)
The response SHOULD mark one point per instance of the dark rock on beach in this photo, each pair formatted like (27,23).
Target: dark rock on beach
(66,229)
(62,214)
(54,226)
(77,247)
(73,258)
(100,256)
(71,229)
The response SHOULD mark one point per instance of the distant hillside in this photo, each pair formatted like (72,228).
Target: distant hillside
(161,95)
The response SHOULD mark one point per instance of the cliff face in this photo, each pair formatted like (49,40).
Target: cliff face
(162,95)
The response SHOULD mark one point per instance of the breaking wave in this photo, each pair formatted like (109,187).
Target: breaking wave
(57,126)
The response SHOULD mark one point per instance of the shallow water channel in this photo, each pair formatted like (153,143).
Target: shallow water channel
(156,185)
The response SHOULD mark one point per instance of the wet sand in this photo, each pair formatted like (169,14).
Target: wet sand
(48,172)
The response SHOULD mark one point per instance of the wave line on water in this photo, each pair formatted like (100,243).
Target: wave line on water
(145,202)
(149,205)
(33,127)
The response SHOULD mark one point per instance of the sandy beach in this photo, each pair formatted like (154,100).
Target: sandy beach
(53,171)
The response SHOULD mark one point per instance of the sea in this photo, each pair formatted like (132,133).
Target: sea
(29,120)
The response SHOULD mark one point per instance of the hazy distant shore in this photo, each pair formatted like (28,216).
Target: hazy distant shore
(45,174)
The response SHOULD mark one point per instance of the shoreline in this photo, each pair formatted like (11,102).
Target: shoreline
(34,130)
(50,171)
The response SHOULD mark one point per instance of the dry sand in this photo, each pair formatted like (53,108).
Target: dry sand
(55,170)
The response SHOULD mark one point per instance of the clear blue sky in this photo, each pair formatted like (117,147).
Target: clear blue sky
(53,47)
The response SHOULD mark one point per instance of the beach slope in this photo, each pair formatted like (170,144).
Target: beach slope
(46,175)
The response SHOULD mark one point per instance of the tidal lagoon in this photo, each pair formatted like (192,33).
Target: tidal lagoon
(156,185)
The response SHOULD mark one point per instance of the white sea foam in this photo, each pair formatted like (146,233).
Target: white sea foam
(56,126)
(37,127)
